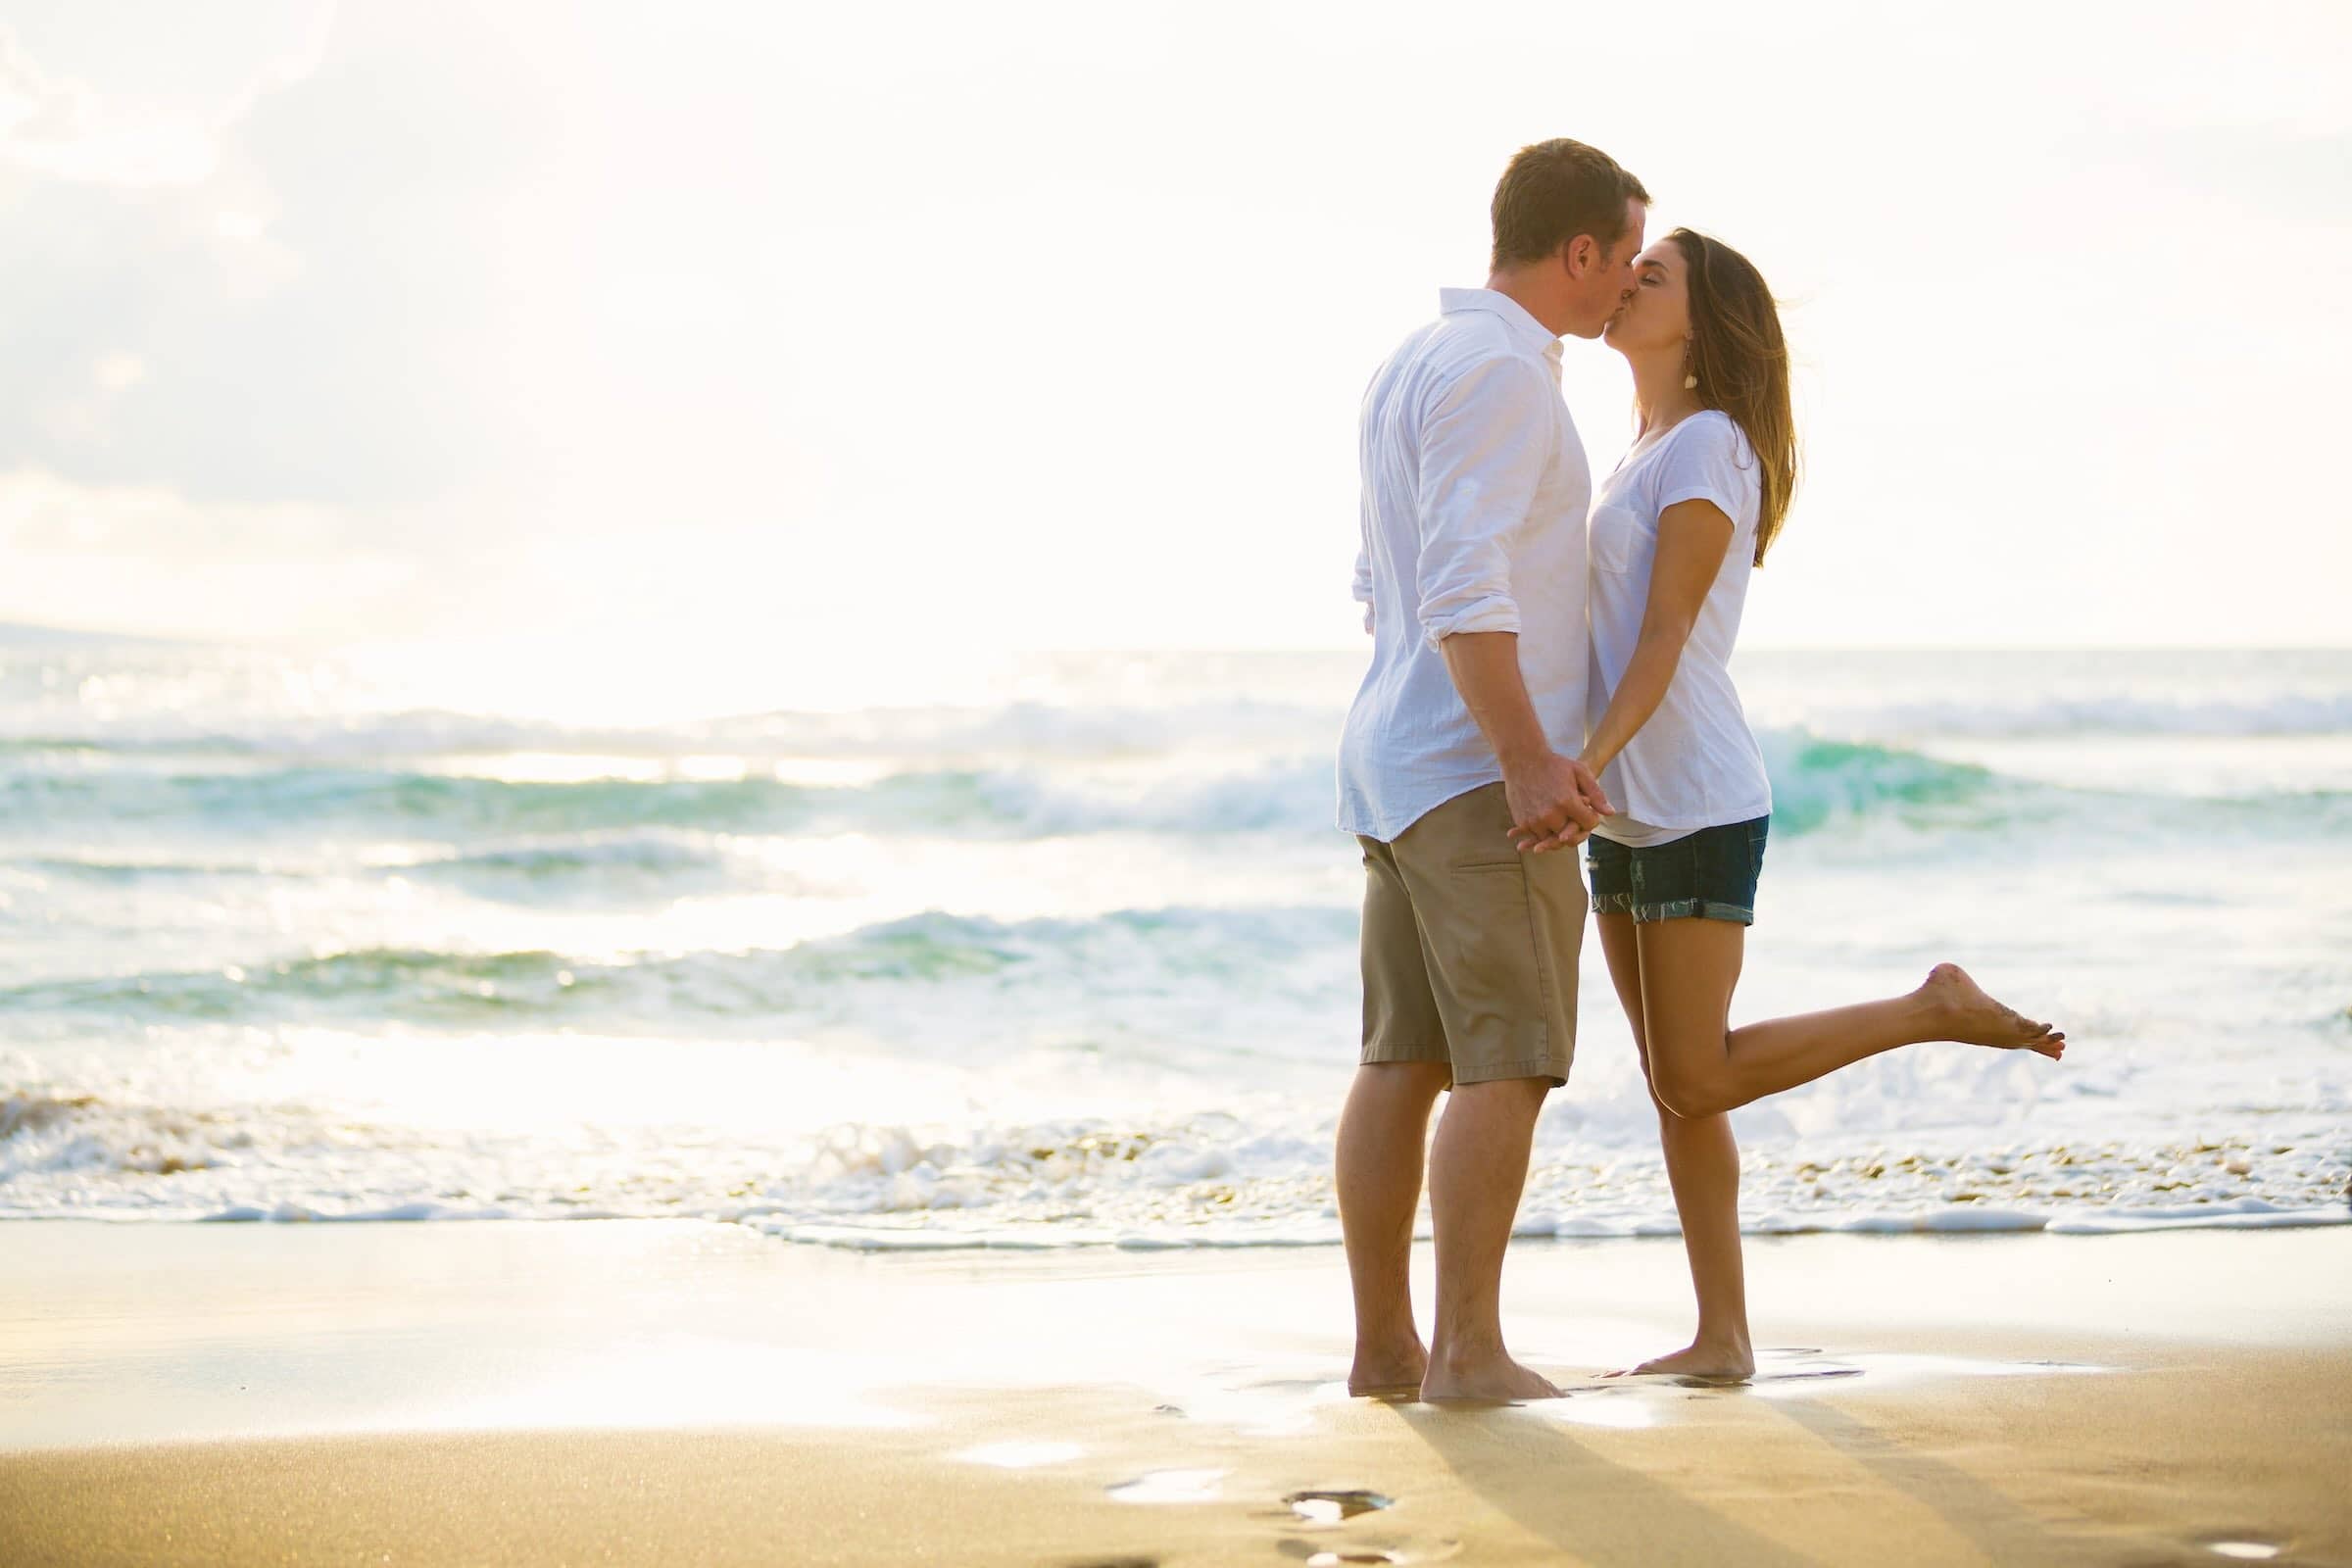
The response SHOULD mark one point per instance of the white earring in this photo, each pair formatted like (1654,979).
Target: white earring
(1690,380)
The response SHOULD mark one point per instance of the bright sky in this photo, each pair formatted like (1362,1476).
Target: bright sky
(815,334)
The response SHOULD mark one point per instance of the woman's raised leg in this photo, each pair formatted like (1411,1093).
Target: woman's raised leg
(1702,1162)
(1701,1067)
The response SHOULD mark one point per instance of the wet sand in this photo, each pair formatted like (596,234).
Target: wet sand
(636,1392)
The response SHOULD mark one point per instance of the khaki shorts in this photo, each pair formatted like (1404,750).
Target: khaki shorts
(1470,947)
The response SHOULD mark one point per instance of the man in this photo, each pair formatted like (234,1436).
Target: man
(1472,574)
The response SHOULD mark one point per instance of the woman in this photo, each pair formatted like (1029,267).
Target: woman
(1676,530)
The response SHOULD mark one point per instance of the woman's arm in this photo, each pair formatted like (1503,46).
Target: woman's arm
(1693,537)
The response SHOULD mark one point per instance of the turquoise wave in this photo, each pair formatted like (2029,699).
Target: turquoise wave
(413,804)
(599,865)
(1817,784)
(1816,781)
(1126,949)
(404,804)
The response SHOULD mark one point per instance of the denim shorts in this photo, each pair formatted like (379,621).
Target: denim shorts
(1707,875)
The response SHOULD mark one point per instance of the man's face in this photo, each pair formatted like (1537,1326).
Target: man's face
(1600,280)
(1656,315)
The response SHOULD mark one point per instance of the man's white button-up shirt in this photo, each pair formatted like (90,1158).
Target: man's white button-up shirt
(1475,490)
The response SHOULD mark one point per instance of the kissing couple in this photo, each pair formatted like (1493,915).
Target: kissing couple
(1550,667)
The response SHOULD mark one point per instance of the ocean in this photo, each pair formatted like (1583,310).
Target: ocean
(1070,958)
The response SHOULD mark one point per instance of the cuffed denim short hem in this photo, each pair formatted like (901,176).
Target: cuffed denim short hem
(1673,909)
(1707,875)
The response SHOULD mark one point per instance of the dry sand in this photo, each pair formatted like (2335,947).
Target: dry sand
(636,1392)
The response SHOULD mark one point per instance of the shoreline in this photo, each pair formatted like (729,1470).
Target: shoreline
(2254,1215)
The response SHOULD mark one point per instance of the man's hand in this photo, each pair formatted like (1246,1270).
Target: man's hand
(1554,802)
(1554,799)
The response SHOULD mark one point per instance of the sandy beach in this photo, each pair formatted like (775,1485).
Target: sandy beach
(651,1392)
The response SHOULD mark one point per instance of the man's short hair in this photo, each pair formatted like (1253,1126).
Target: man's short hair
(1556,190)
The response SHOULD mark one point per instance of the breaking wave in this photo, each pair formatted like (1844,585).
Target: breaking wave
(1817,782)
(1206,1179)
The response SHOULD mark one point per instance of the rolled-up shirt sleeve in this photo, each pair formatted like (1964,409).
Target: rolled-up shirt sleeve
(1484,449)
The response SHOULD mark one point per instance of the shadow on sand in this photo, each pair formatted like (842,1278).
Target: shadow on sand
(1602,1511)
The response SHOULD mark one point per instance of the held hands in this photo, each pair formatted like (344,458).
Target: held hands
(1555,801)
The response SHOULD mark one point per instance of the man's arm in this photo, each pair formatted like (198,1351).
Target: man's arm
(1363,582)
(1539,785)
(1482,452)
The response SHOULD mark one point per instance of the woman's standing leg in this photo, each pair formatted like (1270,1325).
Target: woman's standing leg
(1702,1162)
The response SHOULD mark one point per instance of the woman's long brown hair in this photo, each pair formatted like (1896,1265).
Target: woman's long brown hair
(1741,362)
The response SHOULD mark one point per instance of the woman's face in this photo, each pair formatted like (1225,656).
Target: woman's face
(1656,315)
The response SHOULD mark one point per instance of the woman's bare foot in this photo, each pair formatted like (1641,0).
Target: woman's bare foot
(1964,1012)
(1717,1363)
(1388,1370)
(1483,1375)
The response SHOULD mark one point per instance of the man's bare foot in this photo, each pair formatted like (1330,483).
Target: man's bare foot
(1483,1375)
(1388,1370)
(1716,1363)
(1964,1012)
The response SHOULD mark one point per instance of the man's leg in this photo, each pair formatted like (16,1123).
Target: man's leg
(1499,933)
(1477,1171)
(1382,1132)
(1384,1129)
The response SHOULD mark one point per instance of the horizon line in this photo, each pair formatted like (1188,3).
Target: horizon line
(13,629)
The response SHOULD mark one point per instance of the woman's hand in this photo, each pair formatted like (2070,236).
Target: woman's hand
(1554,800)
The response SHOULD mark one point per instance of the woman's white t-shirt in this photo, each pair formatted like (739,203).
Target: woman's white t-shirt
(1695,764)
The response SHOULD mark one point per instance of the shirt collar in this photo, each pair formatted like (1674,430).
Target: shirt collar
(1514,315)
